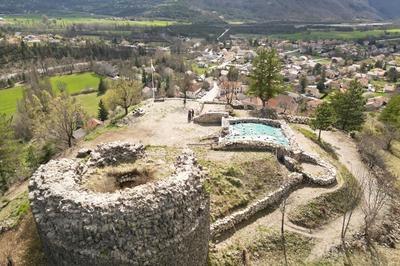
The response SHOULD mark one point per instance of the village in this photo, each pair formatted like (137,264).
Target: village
(239,150)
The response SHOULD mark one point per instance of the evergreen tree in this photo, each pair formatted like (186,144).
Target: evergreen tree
(349,107)
(233,74)
(324,118)
(103,112)
(266,80)
(321,86)
(144,77)
(303,83)
(102,87)
(391,114)
(393,74)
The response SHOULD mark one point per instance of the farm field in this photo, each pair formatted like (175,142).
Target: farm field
(62,22)
(75,84)
(341,35)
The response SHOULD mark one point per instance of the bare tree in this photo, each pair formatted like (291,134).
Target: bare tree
(283,239)
(377,193)
(353,193)
(124,93)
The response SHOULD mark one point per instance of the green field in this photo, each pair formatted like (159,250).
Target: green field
(341,35)
(62,22)
(9,98)
(89,102)
(75,84)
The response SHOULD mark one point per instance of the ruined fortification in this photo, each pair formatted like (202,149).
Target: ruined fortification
(158,223)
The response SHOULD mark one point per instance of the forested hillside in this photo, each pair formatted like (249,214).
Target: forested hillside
(259,10)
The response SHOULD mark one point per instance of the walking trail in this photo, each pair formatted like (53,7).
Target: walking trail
(328,235)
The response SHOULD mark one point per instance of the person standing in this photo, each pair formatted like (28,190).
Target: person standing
(189,116)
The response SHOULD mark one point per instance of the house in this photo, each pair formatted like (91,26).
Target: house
(312,91)
(284,104)
(231,86)
(376,103)
(389,88)
(93,123)
(193,90)
(376,73)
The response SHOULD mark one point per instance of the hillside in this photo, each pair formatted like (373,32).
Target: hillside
(259,10)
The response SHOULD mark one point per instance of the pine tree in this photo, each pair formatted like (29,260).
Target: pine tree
(103,112)
(266,80)
(324,118)
(144,77)
(349,107)
(102,87)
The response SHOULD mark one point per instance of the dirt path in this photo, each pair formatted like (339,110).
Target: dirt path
(328,235)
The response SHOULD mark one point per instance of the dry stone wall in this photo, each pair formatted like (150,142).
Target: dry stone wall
(210,118)
(161,223)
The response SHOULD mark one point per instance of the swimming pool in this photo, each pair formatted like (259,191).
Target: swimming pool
(258,132)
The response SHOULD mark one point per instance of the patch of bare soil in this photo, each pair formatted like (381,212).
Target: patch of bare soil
(22,245)
(156,164)
(312,169)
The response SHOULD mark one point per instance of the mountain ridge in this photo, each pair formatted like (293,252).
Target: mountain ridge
(257,10)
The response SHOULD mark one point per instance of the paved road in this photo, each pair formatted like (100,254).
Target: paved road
(212,94)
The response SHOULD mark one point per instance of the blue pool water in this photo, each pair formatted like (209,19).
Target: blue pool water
(254,131)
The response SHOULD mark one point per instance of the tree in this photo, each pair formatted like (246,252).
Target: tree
(144,77)
(64,118)
(352,195)
(266,80)
(377,193)
(233,74)
(282,208)
(102,87)
(393,74)
(349,107)
(9,152)
(390,116)
(61,86)
(321,86)
(317,69)
(124,93)
(103,112)
(186,84)
(303,83)
(391,113)
(324,118)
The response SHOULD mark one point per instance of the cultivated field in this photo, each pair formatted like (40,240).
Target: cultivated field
(63,22)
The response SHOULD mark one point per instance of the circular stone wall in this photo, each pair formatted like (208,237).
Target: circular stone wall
(162,223)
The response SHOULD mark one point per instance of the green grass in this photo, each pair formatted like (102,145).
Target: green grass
(9,99)
(314,138)
(235,182)
(327,207)
(341,35)
(63,22)
(100,131)
(263,247)
(12,211)
(76,83)
(89,102)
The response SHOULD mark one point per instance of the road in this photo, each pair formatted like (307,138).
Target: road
(212,94)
